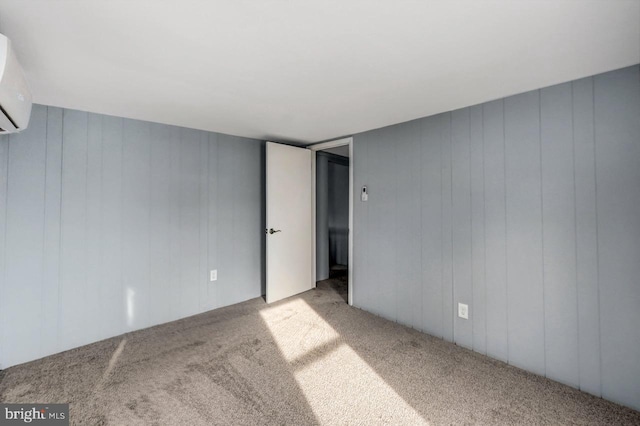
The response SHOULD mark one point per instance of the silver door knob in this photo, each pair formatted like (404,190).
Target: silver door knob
(272,231)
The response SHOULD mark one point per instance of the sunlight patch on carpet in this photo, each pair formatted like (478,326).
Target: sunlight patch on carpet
(332,376)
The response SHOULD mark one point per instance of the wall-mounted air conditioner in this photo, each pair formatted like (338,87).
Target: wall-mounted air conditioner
(15,97)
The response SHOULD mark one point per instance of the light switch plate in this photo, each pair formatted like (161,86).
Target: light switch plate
(364,193)
(213,275)
(463,311)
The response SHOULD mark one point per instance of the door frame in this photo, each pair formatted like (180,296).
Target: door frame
(319,147)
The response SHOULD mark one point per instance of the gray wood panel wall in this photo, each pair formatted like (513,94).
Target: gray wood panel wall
(527,209)
(109,225)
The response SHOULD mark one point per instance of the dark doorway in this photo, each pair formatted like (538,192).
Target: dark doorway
(332,219)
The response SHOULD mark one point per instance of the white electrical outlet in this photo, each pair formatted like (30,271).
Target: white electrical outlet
(213,275)
(463,311)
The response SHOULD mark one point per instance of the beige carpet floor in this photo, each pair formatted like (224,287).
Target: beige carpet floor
(310,359)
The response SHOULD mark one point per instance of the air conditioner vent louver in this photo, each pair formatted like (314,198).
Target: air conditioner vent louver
(8,117)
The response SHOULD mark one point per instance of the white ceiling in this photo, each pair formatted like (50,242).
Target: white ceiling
(306,71)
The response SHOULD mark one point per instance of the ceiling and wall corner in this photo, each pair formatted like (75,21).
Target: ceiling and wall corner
(312,71)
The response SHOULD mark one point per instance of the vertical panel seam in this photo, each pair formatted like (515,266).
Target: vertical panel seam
(506,223)
(4,252)
(395,231)
(44,227)
(595,178)
(61,235)
(470,230)
(575,229)
(174,146)
(379,149)
(86,210)
(200,271)
(234,205)
(421,226)
(367,262)
(394,187)
(484,232)
(441,137)
(203,220)
(106,331)
(150,292)
(121,221)
(544,313)
(101,224)
(101,253)
(217,292)
(452,314)
(207,296)
(452,225)
(180,237)
(199,209)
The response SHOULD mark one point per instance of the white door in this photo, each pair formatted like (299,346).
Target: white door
(289,227)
